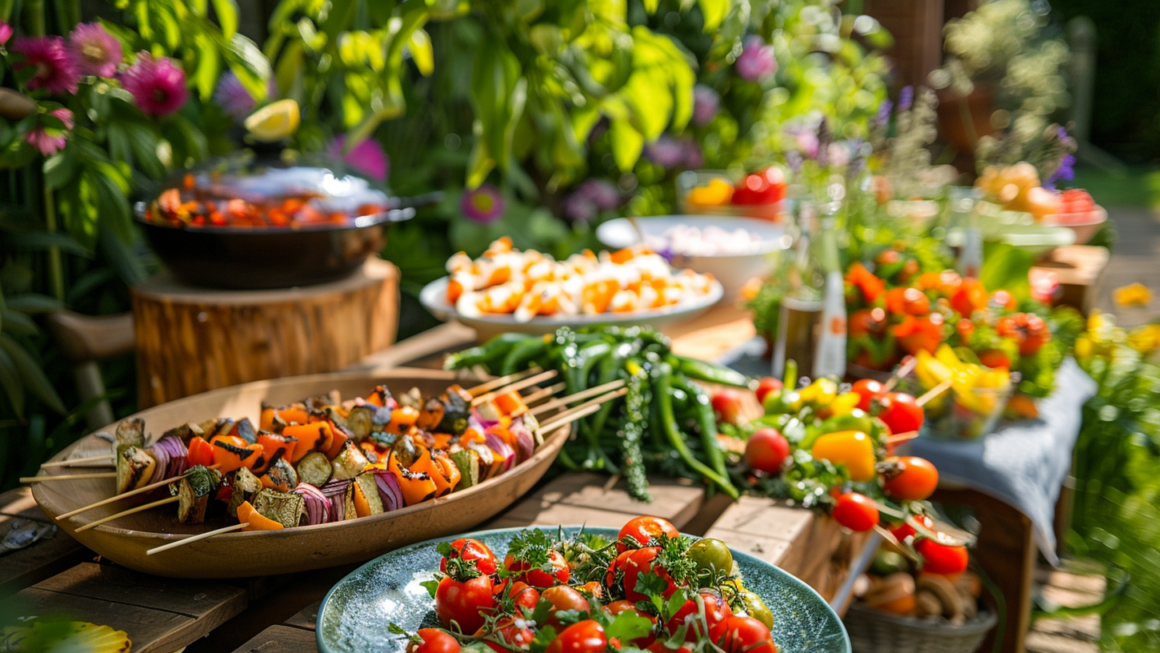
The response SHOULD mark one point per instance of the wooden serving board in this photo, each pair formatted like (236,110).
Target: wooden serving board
(241,554)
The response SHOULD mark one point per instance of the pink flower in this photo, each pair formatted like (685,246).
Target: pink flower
(96,51)
(706,104)
(53,67)
(50,140)
(756,60)
(157,85)
(483,205)
(665,151)
(5,32)
(367,157)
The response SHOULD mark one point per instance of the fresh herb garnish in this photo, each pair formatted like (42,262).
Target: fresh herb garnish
(532,547)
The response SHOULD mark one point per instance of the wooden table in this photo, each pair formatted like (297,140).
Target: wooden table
(277,614)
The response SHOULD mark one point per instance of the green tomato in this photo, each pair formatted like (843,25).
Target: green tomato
(855,421)
(711,555)
(756,608)
(773,404)
(888,562)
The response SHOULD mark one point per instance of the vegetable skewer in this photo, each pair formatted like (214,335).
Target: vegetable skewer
(147,506)
(519,385)
(500,382)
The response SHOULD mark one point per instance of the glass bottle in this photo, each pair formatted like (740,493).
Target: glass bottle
(799,323)
(830,355)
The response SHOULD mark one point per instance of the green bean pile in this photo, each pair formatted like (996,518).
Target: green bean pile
(664,423)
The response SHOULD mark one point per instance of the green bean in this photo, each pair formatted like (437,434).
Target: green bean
(519,355)
(710,373)
(706,424)
(578,366)
(610,366)
(662,396)
(492,350)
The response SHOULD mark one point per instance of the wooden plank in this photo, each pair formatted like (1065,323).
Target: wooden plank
(151,631)
(210,601)
(41,560)
(307,618)
(280,639)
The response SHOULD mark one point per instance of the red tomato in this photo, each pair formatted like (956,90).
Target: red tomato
(716,613)
(920,333)
(1027,329)
(900,413)
(659,647)
(867,322)
(200,452)
(525,596)
(856,512)
(768,385)
(563,597)
(994,358)
(766,450)
(756,189)
(1004,299)
(727,405)
(512,634)
(907,301)
(538,577)
(747,635)
(643,530)
(463,601)
(616,607)
(940,558)
(868,390)
(911,479)
(965,328)
(630,565)
(434,641)
(904,530)
(970,296)
(469,549)
(581,637)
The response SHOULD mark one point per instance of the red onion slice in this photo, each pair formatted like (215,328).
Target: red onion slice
(389,490)
(318,505)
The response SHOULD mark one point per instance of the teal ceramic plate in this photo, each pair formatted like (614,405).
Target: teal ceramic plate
(356,612)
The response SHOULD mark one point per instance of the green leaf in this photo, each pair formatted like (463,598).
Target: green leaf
(651,6)
(42,240)
(714,12)
(627,144)
(18,323)
(121,257)
(498,91)
(60,169)
(33,303)
(31,375)
(481,163)
(338,18)
(10,381)
(227,15)
(209,64)
(421,52)
(1006,266)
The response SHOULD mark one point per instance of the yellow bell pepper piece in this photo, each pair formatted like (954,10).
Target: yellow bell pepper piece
(854,449)
(717,192)
(845,403)
(819,393)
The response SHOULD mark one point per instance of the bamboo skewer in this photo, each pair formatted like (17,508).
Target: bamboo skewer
(69,463)
(933,392)
(519,385)
(130,511)
(901,437)
(67,477)
(196,538)
(584,409)
(543,394)
(140,490)
(501,381)
(900,373)
(583,394)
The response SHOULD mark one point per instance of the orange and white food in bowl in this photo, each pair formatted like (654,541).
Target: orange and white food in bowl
(1018,188)
(529,284)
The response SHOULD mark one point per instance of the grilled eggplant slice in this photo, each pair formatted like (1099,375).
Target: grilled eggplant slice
(194,491)
(366,485)
(130,431)
(486,459)
(135,467)
(360,422)
(456,411)
(468,463)
(349,462)
(406,450)
(245,485)
(186,432)
(282,475)
(384,397)
(285,508)
(320,402)
(314,468)
(431,415)
(246,431)
(412,398)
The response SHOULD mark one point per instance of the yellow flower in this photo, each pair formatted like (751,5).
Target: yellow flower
(1135,294)
(1145,339)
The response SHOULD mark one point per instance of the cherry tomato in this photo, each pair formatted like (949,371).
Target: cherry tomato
(525,596)
(911,478)
(200,452)
(920,333)
(581,637)
(768,385)
(965,328)
(434,641)
(994,358)
(539,578)
(856,512)
(616,607)
(1004,299)
(716,612)
(562,597)
(904,530)
(512,634)
(630,565)
(747,635)
(970,296)
(711,555)
(463,601)
(766,450)
(469,549)
(900,413)
(659,647)
(868,322)
(907,301)
(727,405)
(1027,329)
(644,530)
(868,390)
(943,559)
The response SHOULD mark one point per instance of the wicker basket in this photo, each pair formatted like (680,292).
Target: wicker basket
(874,631)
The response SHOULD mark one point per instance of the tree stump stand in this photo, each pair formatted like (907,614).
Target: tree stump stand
(190,340)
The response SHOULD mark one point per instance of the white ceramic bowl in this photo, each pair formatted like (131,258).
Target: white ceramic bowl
(732,270)
(1084,231)
(434,298)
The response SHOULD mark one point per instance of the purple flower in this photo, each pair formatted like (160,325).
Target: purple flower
(96,51)
(233,98)
(706,104)
(691,153)
(600,192)
(756,60)
(883,116)
(666,151)
(906,98)
(807,143)
(578,207)
(50,140)
(1065,172)
(483,205)
(53,67)
(367,157)
(157,85)
(5,32)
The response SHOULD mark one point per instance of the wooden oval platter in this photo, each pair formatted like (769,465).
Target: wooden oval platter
(257,553)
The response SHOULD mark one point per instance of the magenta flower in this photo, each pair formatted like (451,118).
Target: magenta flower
(50,140)
(756,61)
(706,104)
(367,157)
(483,205)
(53,67)
(5,32)
(157,85)
(96,51)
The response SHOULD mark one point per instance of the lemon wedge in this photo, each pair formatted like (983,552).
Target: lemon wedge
(274,121)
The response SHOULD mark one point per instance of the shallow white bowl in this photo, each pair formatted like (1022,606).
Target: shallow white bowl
(732,270)
(434,298)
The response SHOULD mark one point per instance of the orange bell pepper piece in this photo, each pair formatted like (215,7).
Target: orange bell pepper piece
(424,463)
(362,507)
(292,414)
(267,482)
(509,403)
(450,471)
(337,439)
(231,452)
(254,520)
(402,417)
(310,437)
(442,440)
(417,486)
(275,445)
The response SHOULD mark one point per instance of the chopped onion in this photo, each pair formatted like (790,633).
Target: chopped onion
(318,505)
(336,492)
(525,441)
(172,458)
(501,449)
(389,490)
